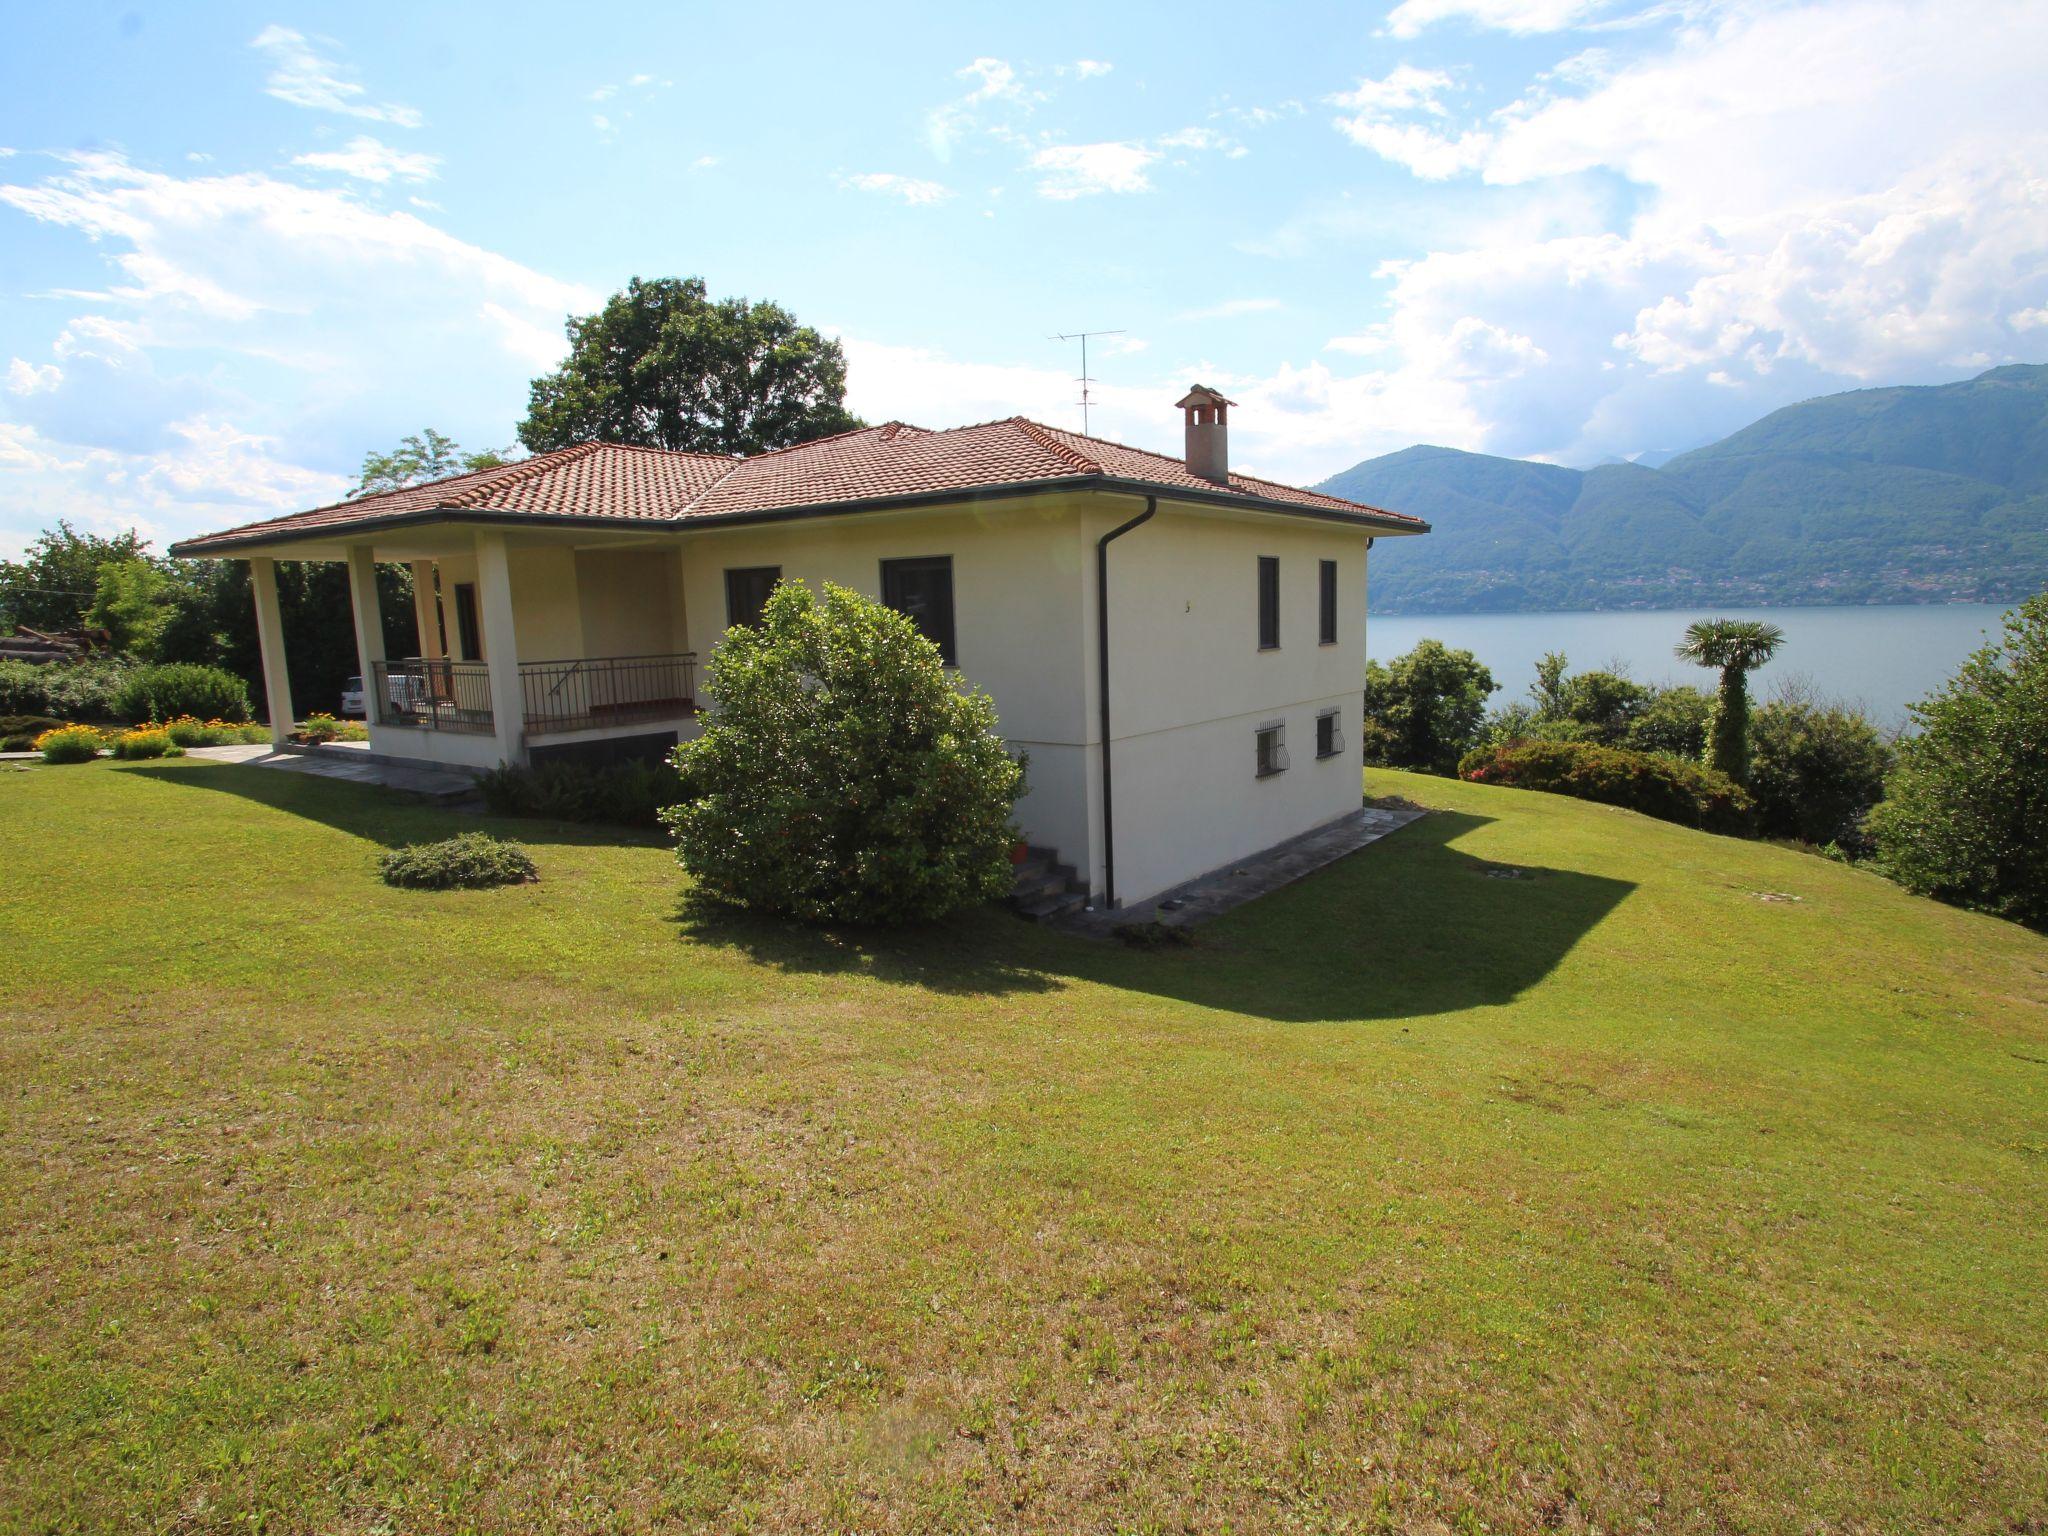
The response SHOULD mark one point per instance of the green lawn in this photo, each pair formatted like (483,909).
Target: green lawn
(1610,1195)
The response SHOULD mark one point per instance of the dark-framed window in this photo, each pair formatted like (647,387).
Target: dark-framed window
(746,592)
(467,634)
(1326,601)
(1329,739)
(922,591)
(1272,749)
(1269,603)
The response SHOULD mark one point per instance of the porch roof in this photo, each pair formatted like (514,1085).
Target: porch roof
(889,465)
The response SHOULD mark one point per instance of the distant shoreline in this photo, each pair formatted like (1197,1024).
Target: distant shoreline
(1732,605)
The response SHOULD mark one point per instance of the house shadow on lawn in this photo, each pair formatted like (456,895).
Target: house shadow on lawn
(390,818)
(1406,927)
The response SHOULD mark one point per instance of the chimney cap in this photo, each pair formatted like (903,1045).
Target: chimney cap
(1201,394)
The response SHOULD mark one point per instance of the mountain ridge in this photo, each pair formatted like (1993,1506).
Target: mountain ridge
(1901,493)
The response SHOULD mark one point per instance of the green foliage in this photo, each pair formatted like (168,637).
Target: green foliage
(1965,813)
(318,727)
(470,861)
(187,731)
(18,733)
(426,456)
(144,743)
(55,583)
(132,604)
(68,690)
(631,794)
(1890,495)
(1658,786)
(1591,706)
(166,690)
(1423,710)
(1673,720)
(663,366)
(844,777)
(1736,647)
(70,744)
(1815,771)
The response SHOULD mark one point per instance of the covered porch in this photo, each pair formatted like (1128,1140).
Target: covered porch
(530,643)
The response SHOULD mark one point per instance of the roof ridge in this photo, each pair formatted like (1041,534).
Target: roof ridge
(527,468)
(1047,439)
(813,442)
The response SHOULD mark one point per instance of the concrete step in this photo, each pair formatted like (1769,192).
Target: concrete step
(1044,888)
(1045,909)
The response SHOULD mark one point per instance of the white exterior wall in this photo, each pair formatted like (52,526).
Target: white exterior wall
(1189,687)
(1020,573)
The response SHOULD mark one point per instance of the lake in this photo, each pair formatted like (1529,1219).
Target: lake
(1881,658)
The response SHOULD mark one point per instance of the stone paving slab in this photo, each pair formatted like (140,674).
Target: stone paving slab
(1220,890)
(435,783)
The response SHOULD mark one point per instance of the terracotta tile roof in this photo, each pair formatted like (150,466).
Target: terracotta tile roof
(608,482)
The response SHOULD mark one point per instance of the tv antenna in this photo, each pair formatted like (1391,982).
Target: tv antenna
(1085,380)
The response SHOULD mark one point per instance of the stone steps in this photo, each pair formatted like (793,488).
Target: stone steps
(1046,889)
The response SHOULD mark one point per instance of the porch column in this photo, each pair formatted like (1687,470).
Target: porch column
(426,609)
(277,682)
(501,645)
(362,596)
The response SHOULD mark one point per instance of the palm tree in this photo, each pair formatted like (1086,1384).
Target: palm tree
(1737,647)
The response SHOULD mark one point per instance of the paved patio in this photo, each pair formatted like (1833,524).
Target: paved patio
(1215,893)
(351,761)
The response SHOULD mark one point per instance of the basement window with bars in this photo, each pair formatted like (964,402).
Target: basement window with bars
(1272,749)
(1329,736)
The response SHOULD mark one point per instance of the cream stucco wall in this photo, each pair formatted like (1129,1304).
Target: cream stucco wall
(1019,573)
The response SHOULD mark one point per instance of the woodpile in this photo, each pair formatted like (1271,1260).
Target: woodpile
(40,645)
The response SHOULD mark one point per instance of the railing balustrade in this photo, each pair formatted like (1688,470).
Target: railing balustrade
(433,693)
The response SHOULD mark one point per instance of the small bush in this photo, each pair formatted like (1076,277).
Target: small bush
(18,733)
(1658,786)
(149,741)
(173,688)
(65,690)
(70,744)
(469,862)
(623,794)
(318,727)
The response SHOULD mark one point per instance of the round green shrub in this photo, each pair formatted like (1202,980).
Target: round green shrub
(845,777)
(469,862)
(70,744)
(1659,786)
(18,733)
(1815,771)
(169,689)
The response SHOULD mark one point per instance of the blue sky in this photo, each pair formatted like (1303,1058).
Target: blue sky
(242,245)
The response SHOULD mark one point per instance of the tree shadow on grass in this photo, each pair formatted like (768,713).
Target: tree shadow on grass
(391,818)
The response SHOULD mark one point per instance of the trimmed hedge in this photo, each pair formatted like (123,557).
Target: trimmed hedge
(623,794)
(1668,788)
(66,690)
(18,733)
(469,862)
(169,689)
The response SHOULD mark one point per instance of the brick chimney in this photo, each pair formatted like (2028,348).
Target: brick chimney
(1208,423)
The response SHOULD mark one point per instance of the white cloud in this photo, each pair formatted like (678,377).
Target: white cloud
(26,378)
(2030,319)
(301,76)
(909,189)
(703,162)
(1816,196)
(257,335)
(1086,69)
(367,159)
(1521,17)
(1068,171)
(995,82)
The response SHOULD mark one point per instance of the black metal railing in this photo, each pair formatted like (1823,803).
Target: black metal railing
(433,693)
(599,691)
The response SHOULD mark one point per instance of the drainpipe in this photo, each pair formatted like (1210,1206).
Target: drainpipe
(1102,694)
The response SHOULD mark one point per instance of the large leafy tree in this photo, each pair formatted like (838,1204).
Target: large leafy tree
(56,581)
(426,455)
(664,366)
(844,777)
(1965,813)
(1736,647)
(1423,710)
